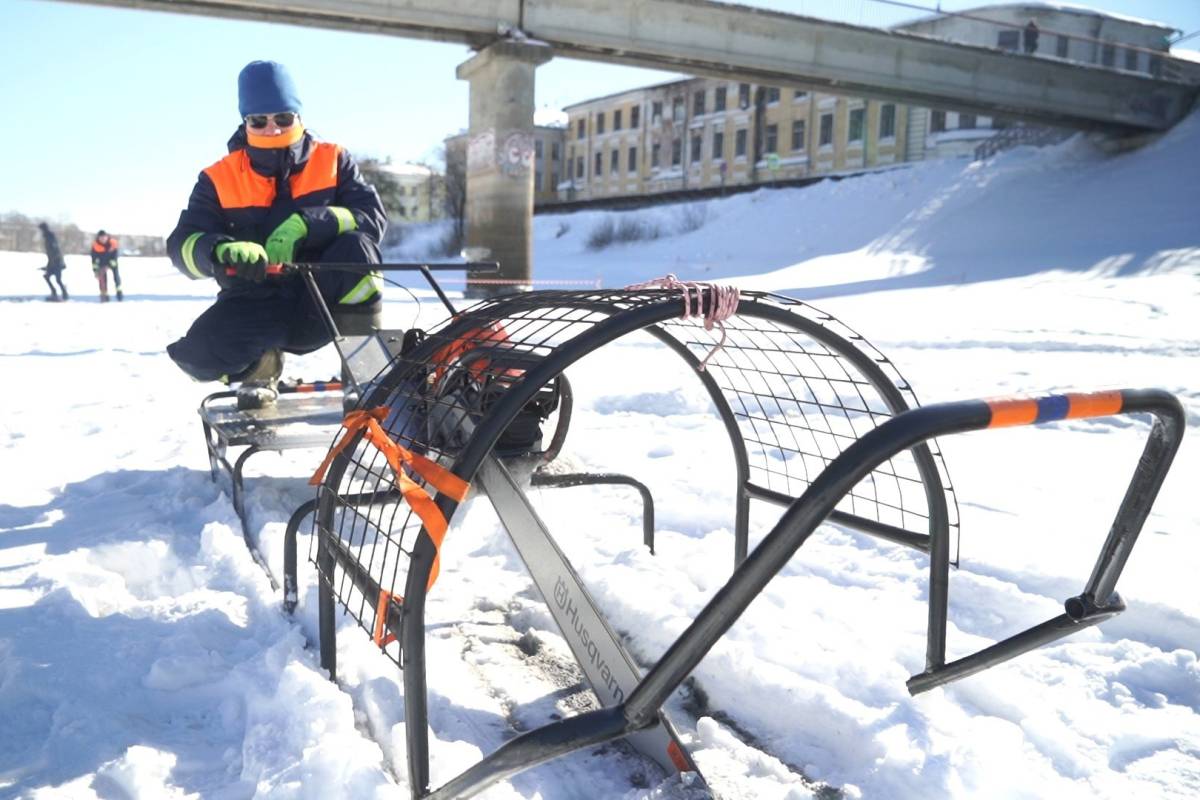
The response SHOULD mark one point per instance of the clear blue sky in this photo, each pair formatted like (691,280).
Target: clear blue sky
(110,113)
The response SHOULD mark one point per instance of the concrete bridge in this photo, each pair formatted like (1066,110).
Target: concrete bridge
(705,38)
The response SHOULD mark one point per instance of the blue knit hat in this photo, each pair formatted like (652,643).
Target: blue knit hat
(265,87)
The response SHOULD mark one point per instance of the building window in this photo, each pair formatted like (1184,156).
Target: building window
(1156,66)
(698,103)
(537,181)
(580,129)
(1061,45)
(599,122)
(826,130)
(739,143)
(798,95)
(719,98)
(937,121)
(743,95)
(718,145)
(1108,54)
(677,109)
(617,120)
(1131,60)
(554,152)
(633,159)
(400,190)
(655,155)
(598,170)
(695,156)
(772,94)
(676,151)
(772,143)
(887,121)
(856,125)
(614,162)
(554,179)
(579,167)
(798,135)
(1009,40)
(537,147)
(635,116)
(656,111)
(966,122)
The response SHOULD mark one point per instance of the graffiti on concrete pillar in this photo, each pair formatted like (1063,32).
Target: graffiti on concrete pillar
(513,157)
(516,157)
(481,151)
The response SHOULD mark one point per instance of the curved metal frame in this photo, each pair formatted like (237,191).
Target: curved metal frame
(407,620)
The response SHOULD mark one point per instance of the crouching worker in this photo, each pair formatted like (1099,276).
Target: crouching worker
(280,196)
(105,252)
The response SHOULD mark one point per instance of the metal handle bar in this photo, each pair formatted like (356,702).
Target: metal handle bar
(399,266)
(1098,600)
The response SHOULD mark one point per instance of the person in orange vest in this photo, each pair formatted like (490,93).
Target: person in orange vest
(281,195)
(105,251)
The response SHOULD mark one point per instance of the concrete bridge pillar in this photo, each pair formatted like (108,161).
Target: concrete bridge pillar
(500,160)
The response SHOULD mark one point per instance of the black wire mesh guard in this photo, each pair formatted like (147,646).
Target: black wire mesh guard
(794,387)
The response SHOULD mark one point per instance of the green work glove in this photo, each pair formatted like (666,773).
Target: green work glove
(285,240)
(249,259)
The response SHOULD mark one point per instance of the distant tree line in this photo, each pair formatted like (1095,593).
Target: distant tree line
(19,233)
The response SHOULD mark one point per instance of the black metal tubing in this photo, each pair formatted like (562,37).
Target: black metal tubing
(864,455)
(568,479)
(537,747)
(870,527)
(291,586)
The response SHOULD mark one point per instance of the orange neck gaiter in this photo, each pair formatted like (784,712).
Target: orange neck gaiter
(286,139)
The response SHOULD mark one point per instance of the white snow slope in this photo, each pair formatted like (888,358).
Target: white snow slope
(143,655)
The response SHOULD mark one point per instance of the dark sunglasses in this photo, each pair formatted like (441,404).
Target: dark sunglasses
(283,119)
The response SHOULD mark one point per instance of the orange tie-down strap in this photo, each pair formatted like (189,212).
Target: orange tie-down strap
(414,494)
(382,636)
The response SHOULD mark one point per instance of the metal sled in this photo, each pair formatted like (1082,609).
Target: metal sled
(820,424)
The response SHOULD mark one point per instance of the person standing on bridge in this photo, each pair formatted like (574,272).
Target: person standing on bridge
(55,264)
(280,196)
(104,258)
(1030,37)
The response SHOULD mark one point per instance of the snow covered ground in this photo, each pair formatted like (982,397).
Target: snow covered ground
(143,654)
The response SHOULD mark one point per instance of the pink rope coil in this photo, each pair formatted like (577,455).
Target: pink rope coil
(723,306)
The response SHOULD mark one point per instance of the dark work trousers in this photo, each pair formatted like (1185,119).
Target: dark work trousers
(57,275)
(227,340)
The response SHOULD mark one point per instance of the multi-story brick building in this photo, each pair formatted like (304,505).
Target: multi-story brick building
(704,133)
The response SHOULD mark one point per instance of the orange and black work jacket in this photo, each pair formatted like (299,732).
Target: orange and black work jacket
(104,254)
(245,195)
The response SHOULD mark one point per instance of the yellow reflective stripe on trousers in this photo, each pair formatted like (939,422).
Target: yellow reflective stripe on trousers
(364,290)
(345,219)
(188,254)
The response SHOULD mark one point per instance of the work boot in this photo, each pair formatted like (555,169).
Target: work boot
(65,295)
(259,387)
(104,298)
(120,295)
(53,298)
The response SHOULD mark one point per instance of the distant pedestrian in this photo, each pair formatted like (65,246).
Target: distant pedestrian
(1031,37)
(54,264)
(105,252)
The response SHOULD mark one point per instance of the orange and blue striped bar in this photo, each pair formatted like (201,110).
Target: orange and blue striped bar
(318,386)
(1007,412)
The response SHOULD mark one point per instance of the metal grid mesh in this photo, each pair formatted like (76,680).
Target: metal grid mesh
(798,403)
